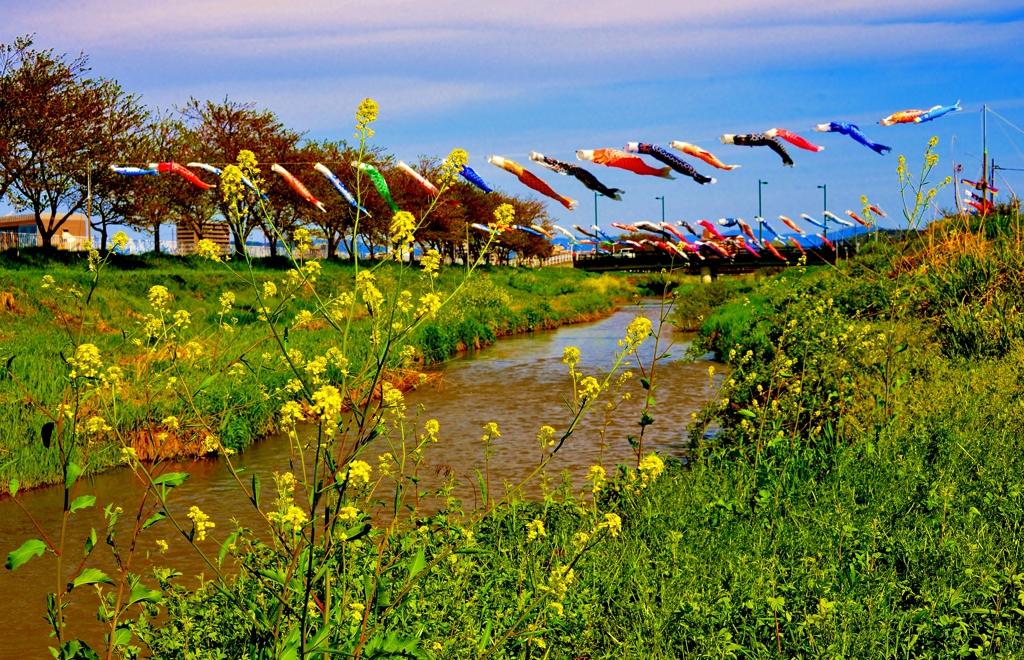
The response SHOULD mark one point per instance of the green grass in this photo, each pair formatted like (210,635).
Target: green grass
(496,302)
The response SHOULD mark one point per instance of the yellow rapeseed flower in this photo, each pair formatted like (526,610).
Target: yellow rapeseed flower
(535,530)
(208,249)
(200,523)
(359,472)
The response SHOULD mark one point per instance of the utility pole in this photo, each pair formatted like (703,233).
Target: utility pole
(824,190)
(984,154)
(88,202)
(760,217)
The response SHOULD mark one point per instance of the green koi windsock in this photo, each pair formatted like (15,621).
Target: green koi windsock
(379,182)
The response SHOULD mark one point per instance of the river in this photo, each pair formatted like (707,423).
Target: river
(517,383)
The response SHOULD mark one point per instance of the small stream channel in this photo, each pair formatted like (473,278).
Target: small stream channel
(518,383)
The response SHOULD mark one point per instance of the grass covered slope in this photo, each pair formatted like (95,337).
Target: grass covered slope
(37,323)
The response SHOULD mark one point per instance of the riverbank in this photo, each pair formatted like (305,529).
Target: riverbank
(39,328)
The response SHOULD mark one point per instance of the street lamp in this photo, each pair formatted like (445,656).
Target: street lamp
(662,198)
(760,225)
(595,224)
(824,191)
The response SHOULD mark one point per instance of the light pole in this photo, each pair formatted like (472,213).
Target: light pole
(662,198)
(760,225)
(598,244)
(824,207)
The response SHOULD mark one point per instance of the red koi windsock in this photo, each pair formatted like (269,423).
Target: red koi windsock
(711,228)
(718,248)
(793,139)
(797,245)
(747,247)
(792,225)
(626,161)
(877,211)
(826,242)
(857,218)
(428,186)
(297,186)
(181,171)
(771,248)
(619,225)
(672,230)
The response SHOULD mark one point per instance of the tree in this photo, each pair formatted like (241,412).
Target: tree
(57,136)
(223,130)
(12,57)
(156,200)
(122,132)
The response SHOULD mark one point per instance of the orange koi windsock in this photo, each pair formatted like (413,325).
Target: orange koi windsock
(797,245)
(531,181)
(703,154)
(792,225)
(857,218)
(428,186)
(903,117)
(297,186)
(771,248)
(621,159)
(877,211)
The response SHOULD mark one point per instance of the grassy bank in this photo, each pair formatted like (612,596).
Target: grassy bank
(39,329)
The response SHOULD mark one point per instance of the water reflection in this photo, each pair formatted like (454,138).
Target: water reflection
(517,383)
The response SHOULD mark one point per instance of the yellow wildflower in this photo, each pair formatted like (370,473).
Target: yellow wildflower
(504,216)
(269,289)
(535,530)
(200,523)
(403,229)
(162,544)
(613,523)
(597,476)
(348,514)
(432,427)
(208,249)
(119,241)
(159,296)
(490,431)
(431,262)
(359,472)
(589,388)
(429,304)
(571,356)
(546,437)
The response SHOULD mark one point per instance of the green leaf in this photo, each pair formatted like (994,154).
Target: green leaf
(47,434)
(91,576)
(747,413)
(226,546)
(82,502)
(256,490)
(483,486)
(171,479)
(154,519)
(90,542)
(28,549)
(142,593)
(122,636)
(645,383)
(419,562)
(207,382)
(13,487)
(74,472)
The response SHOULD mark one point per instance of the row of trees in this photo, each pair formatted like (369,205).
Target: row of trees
(60,129)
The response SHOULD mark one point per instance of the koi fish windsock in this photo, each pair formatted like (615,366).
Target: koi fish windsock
(703,154)
(759,140)
(653,228)
(728,222)
(717,248)
(686,225)
(530,180)
(378,182)
(133,171)
(672,230)
(877,211)
(902,117)
(629,228)
(835,218)
(745,228)
(584,177)
(567,233)
(789,223)
(297,186)
(771,248)
(217,171)
(795,243)
(854,132)
(333,179)
(711,228)
(743,244)
(764,223)
(420,179)
(858,218)
(181,171)
(936,112)
(677,164)
(527,230)
(543,231)
(826,242)
(620,159)
(812,221)
(585,232)
(793,139)
(469,174)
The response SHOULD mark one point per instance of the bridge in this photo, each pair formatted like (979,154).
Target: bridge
(711,265)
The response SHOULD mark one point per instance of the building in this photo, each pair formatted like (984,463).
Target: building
(218,232)
(20,231)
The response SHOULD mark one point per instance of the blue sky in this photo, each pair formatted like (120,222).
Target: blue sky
(510,78)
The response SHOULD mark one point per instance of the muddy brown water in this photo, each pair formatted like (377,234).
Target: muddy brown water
(517,383)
